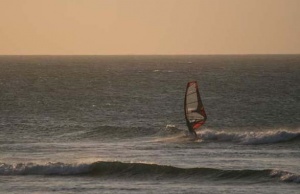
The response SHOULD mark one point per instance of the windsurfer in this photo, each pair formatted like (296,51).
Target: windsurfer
(191,130)
(195,115)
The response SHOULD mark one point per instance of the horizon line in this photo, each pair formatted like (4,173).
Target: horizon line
(149,54)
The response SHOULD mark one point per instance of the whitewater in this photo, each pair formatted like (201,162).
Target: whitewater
(115,124)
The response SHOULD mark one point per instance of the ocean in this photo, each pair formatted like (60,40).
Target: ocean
(115,124)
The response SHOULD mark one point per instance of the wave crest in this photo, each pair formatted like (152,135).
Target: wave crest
(252,138)
(143,170)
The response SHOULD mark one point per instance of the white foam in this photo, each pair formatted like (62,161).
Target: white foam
(286,176)
(267,137)
(169,126)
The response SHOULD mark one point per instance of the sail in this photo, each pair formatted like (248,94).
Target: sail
(194,111)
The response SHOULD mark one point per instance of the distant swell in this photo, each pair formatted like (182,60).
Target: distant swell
(144,171)
(252,138)
(108,132)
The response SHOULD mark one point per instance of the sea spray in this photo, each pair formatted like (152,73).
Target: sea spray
(251,138)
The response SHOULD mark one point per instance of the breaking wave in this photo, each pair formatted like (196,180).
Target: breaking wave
(251,138)
(144,171)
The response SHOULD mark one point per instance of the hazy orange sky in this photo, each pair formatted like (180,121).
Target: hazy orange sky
(105,27)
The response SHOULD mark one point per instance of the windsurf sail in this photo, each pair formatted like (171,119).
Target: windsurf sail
(195,115)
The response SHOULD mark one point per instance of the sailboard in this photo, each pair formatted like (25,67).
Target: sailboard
(194,112)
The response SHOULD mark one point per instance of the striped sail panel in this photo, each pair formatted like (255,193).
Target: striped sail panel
(194,110)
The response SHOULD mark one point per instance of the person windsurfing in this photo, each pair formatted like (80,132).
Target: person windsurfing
(195,115)
(191,130)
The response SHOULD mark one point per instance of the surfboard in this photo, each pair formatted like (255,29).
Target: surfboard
(194,112)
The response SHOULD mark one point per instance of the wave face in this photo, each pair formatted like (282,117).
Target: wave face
(145,171)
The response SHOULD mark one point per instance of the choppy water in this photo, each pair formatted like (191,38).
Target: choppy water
(115,124)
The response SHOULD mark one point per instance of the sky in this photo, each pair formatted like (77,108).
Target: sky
(149,27)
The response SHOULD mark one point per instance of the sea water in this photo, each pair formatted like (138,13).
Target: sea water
(115,124)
